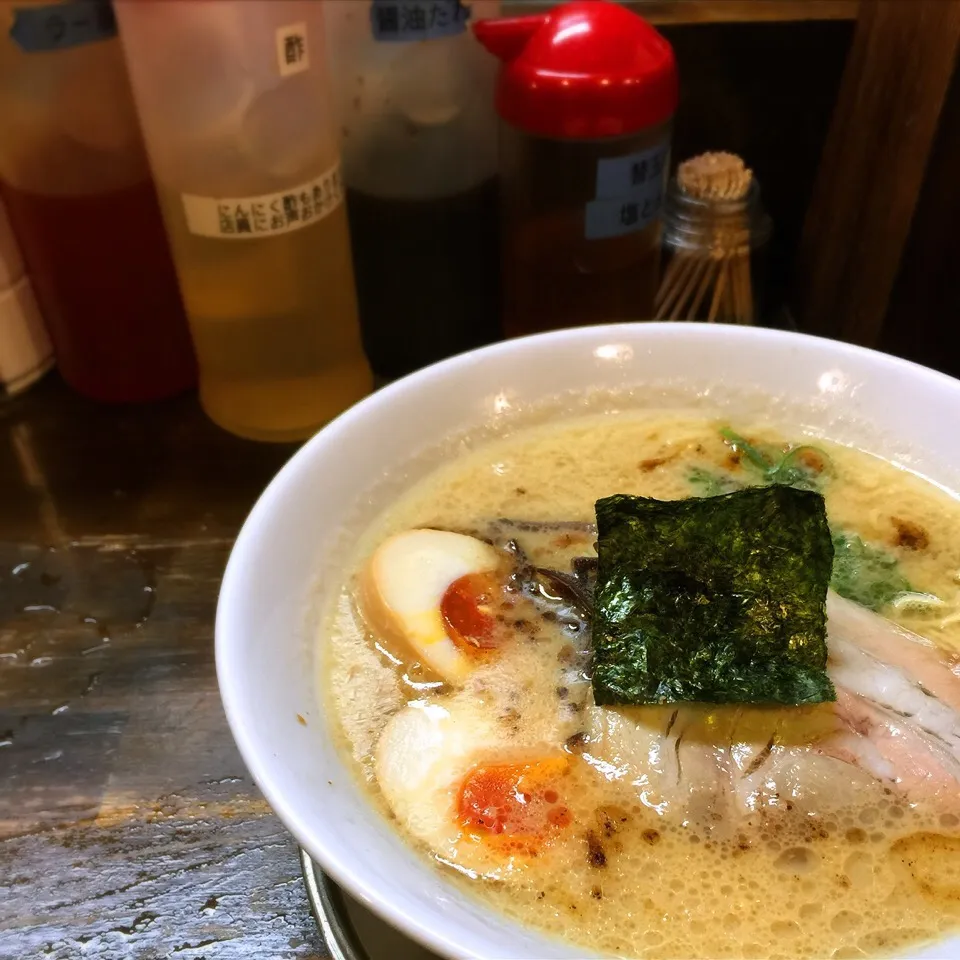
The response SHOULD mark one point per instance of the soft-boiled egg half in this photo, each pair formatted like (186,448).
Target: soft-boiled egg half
(434,591)
(476,794)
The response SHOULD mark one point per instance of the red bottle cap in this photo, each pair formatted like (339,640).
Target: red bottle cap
(583,70)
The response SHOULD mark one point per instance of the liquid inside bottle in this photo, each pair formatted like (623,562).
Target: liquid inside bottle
(232,97)
(427,273)
(275,364)
(418,136)
(115,316)
(75,178)
(583,162)
(569,257)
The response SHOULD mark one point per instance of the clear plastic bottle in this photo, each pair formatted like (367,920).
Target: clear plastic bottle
(415,95)
(234,103)
(75,180)
(587,95)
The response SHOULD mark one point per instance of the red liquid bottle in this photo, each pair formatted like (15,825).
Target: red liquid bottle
(75,179)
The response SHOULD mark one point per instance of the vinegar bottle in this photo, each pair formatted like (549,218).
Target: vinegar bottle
(76,183)
(586,95)
(233,101)
(415,95)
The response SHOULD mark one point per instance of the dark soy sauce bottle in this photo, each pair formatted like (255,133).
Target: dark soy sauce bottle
(419,150)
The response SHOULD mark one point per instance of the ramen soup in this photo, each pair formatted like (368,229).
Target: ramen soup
(458,662)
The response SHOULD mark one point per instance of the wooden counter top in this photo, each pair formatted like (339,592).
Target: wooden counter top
(128,824)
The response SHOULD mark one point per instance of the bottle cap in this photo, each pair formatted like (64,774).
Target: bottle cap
(583,70)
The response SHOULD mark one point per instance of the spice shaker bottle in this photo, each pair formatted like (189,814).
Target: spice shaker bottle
(586,94)
(76,183)
(415,93)
(235,108)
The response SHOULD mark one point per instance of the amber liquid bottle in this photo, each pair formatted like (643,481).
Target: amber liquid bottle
(234,105)
(586,96)
(555,274)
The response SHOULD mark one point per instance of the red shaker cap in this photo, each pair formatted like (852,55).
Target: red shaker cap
(583,70)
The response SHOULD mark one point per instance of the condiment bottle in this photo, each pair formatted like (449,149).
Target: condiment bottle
(415,93)
(235,108)
(586,95)
(75,179)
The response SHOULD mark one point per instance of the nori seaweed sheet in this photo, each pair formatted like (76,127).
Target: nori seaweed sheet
(713,599)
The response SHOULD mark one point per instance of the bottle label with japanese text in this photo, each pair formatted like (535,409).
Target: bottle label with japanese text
(58,26)
(629,193)
(403,21)
(255,218)
(293,52)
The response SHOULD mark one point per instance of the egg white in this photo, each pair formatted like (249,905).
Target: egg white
(423,757)
(404,583)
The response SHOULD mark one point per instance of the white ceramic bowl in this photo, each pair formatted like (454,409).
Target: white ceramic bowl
(265,641)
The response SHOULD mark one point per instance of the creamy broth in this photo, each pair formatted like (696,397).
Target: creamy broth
(849,867)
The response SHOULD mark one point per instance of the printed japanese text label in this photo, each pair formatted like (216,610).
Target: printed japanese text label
(254,218)
(57,26)
(632,173)
(293,52)
(629,193)
(403,21)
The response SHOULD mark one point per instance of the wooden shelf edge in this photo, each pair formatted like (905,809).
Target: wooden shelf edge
(678,12)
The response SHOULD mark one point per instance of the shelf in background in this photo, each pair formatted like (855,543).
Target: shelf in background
(719,11)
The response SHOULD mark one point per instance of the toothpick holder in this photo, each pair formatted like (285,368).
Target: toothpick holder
(713,257)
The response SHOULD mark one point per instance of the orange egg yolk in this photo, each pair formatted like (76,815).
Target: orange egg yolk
(516,806)
(467,611)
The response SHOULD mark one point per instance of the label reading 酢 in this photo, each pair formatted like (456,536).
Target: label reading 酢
(293,54)
(629,193)
(253,218)
(57,26)
(405,20)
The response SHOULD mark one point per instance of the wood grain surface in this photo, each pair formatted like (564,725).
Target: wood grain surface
(899,71)
(921,323)
(128,825)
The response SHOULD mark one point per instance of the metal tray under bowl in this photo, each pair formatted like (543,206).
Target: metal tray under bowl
(349,930)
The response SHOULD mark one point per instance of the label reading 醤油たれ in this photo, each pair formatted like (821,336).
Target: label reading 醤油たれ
(267,215)
(403,21)
(629,193)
